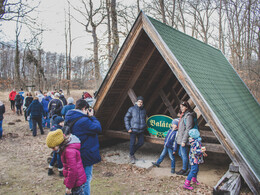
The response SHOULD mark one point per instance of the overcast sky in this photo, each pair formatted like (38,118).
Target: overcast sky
(51,16)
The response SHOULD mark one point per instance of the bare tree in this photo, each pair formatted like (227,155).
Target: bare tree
(109,33)
(93,18)
(114,29)
(202,12)
(162,11)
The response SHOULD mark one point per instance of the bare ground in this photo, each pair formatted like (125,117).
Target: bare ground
(23,166)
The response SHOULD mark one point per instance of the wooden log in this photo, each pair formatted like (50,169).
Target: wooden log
(229,184)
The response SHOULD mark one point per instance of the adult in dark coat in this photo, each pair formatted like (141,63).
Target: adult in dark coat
(63,99)
(55,106)
(86,129)
(18,103)
(36,111)
(135,124)
(2,111)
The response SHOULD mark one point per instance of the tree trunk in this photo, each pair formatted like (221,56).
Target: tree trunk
(17,64)
(109,33)
(162,11)
(173,12)
(96,62)
(114,29)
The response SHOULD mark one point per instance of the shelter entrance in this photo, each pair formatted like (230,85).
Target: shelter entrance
(146,73)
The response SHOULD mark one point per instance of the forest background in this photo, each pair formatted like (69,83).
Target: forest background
(98,29)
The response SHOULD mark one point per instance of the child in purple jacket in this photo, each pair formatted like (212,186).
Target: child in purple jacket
(69,149)
(195,157)
(170,146)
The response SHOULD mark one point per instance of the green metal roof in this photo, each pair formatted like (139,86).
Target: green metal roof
(221,87)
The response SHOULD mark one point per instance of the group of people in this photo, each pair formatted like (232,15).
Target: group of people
(183,137)
(78,147)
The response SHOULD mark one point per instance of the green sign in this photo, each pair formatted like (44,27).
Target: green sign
(159,125)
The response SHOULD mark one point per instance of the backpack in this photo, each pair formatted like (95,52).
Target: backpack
(67,128)
(195,120)
(21,101)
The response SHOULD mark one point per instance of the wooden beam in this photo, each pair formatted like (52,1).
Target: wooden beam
(121,58)
(155,73)
(132,95)
(207,134)
(217,148)
(157,89)
(230,183)
(141,65)
(175,97)
(167,104)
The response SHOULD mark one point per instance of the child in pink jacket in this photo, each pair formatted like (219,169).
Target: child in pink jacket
(73,171)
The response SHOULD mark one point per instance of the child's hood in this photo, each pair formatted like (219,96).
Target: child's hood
(74,140)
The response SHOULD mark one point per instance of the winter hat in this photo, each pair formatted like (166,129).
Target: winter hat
(194,133)
(57,119)
(140,98)
(70,100)
(175,121)
(54,138)
(57,95)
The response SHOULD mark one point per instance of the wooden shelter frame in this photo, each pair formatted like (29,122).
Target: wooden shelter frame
(172,84)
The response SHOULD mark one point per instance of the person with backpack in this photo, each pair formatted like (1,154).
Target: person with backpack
(26,103)
(69,149)
(86,128)
(185,124)
(11,99)
(63,99)
(18,104)
(45,102)
(36,111)
(55,106)
(68,107)
(2,111)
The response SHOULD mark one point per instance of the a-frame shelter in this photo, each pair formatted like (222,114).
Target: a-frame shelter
(166,66)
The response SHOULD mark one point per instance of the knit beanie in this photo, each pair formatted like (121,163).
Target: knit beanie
(140,98)
(194,133)
(54,138)
(175,121)
(57,119)
(70,100)
(57,95)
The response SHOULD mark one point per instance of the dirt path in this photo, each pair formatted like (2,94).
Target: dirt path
(23,162)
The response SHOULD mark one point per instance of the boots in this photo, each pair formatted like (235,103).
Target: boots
(187,185)
(187,172)
(181,172)
(61,174)
(195,181)
(132,159)
(156,164)
(50,171)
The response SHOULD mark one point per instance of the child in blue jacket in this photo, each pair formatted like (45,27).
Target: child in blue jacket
(170,146)
(58,123)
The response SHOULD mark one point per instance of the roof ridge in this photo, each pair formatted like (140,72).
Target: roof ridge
(150,18)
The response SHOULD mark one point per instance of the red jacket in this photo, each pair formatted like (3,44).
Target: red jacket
(12,95)
(73,170)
